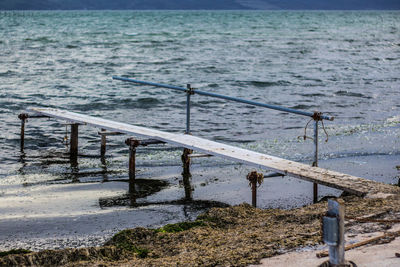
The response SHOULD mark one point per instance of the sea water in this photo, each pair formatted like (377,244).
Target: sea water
(344,64)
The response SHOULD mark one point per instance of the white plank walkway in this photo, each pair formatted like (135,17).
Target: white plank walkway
(348,183)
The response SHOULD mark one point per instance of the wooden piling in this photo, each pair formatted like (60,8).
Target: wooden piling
(186,175)
(22,117)
(133,144)
(73,147)
(103,144)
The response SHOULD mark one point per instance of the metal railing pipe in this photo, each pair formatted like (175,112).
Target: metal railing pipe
(150,83)
(188,94)
(249,102)
(253,103)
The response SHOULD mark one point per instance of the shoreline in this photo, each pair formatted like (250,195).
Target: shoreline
(70,217)
(239,236)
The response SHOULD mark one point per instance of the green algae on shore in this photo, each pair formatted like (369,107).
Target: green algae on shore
(234,236)
(14,251)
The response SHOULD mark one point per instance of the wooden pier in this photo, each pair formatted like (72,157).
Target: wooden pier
(351,184)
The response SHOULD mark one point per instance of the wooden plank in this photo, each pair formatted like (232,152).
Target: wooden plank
(351,184)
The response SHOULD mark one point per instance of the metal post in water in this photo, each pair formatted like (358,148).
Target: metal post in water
(186,175)
(23,117)
(132,162)
(254,194)
(73,148)
(133,144)
(315,163)
(254,178)
(132,173)
(188,94)
(103,144)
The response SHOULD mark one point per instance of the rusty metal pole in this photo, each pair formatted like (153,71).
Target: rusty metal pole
(73,147)
(133,144)
(186,175)
(189,92)
(103,144)
(315,163)
(254,193)
(22,117)
(132,174)
(254,178)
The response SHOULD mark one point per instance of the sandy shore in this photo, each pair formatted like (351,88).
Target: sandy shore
(382,255)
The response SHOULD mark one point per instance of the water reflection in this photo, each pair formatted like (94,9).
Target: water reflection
(70,169)
(22,160)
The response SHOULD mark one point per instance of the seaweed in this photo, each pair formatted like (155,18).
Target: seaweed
(179,227)
(14,251)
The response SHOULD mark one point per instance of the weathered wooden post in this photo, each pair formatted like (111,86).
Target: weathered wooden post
(103,148)
(186,175)
(133,144)
(103,143)
(73,146)
(333,233)
(22,117)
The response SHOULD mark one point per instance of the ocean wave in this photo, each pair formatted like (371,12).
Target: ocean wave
(351,94)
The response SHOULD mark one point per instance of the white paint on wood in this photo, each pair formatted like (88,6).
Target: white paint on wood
(351,184)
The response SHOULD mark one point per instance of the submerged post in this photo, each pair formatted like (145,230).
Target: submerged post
(133,144)
(103,144)
(22,117)
(73,148)
(189,92)
(186,175)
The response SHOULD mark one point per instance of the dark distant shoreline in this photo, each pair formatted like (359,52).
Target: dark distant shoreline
(191,10)
(200,5)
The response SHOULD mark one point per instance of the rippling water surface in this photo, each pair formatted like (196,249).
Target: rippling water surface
(345,64)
